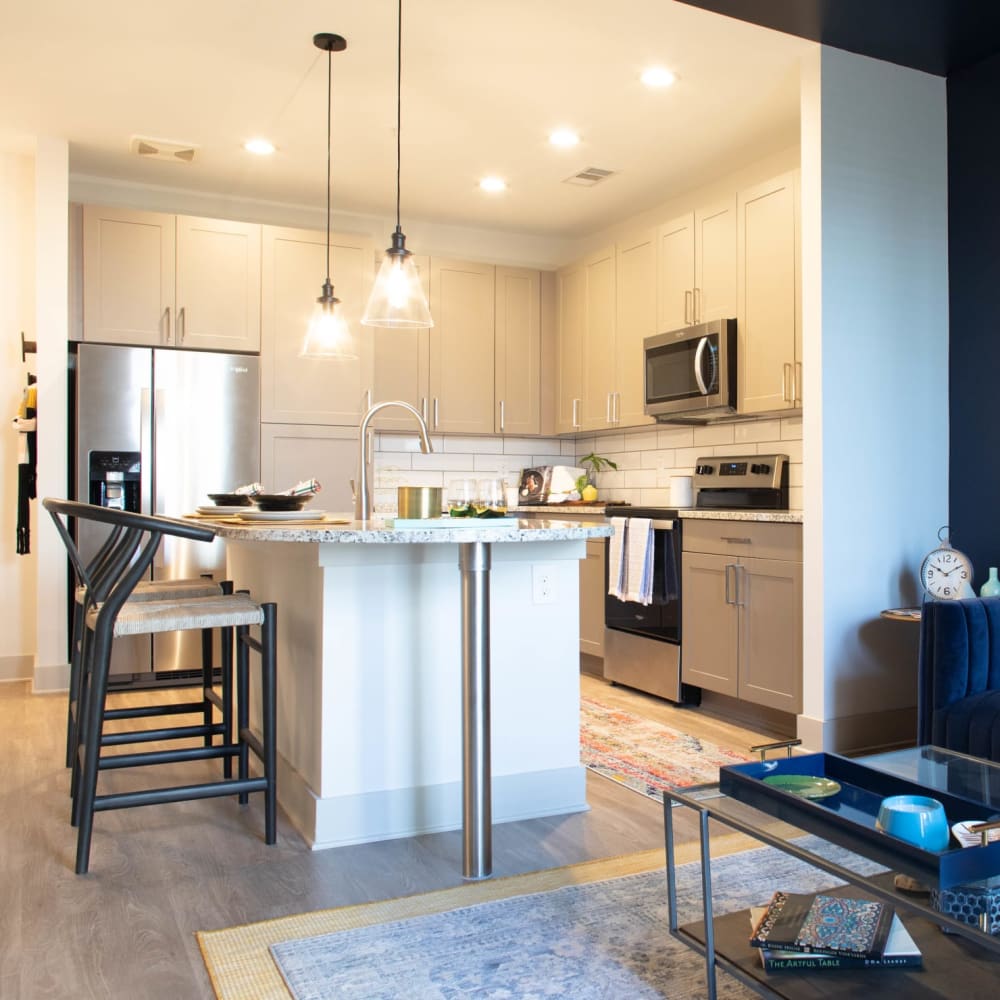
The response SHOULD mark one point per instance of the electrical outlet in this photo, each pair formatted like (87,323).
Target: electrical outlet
(543,584)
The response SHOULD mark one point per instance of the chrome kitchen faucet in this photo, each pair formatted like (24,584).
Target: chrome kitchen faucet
(363,494)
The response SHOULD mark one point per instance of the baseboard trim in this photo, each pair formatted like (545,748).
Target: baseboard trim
(870,732)
(16,668)
(50,679)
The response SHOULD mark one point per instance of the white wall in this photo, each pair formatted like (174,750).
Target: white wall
(17,308)
(875,324)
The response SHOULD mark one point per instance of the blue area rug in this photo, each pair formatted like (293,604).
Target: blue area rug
(604,940)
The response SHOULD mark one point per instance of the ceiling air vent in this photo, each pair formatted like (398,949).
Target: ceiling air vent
(589,176)
(162,149)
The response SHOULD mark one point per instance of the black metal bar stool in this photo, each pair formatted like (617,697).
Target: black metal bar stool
(146,590)
(112,614)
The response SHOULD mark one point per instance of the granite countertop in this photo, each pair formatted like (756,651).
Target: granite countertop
(509,529)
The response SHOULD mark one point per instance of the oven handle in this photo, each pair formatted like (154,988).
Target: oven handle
(662,525)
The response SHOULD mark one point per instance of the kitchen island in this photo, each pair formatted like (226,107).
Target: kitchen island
(386,696)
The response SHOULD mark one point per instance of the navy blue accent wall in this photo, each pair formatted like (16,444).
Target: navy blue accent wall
(974,278)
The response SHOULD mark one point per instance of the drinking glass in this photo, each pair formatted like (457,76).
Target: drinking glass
(461,496)
(491,498)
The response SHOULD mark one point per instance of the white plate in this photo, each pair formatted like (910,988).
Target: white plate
(220,510)
(280,515)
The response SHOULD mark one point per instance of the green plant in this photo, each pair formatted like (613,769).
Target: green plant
(597,463)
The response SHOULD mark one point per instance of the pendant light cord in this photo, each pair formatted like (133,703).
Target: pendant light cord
(329,118)
(399,92)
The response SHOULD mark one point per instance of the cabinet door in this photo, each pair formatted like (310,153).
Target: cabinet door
(461,347)
(675,274)
(635,311)
(715,262)
(128,276)
(767,311)
(769,592)
(218,284)
(311,390)
(517,350)
(290,453)
(401,364)
(709,624)
(599,347)
(571,294)
(592,585)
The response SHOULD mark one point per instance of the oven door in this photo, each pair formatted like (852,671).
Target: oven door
(662,618)
(691,369)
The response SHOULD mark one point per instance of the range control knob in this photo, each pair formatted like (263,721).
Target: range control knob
(762,468)
(704,470)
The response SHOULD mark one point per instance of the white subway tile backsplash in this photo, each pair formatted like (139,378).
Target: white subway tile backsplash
(641,441)
(473,445)
(757,430)
(713,434)
(675,437)
(647,457)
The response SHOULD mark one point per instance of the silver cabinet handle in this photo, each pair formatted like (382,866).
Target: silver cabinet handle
(423,407)
(368,400)
(607,409)
(697,305)
(688,310)
(501,416)
(786,375)
(576,418)
(729,566)
(740,577)
(181,324)
(736,541)
(166,325)
(618,408)
(435,412)
(797,384)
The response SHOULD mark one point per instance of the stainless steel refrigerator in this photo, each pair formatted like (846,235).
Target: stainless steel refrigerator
(156,430)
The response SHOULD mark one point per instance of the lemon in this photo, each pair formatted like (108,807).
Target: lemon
(589,493)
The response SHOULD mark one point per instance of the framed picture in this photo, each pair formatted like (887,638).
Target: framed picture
(534,485)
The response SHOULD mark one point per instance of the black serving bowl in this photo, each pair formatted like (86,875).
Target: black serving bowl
(230,499)
(282,501)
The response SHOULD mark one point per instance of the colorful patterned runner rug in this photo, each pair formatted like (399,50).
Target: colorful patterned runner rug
(646,756)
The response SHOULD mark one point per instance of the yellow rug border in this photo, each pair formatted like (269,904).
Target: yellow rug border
(240,966)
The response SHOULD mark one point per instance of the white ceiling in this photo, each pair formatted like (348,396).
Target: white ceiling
(483,84)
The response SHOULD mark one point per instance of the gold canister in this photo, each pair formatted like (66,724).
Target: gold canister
(419,501)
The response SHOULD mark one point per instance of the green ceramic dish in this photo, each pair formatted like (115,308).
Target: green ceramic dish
(804,785)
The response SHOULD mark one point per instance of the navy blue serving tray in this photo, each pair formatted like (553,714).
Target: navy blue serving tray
(848,818)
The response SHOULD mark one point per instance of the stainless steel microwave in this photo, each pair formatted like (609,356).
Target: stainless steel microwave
(691,373)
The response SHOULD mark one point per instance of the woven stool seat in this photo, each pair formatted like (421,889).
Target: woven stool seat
(147,617)
(163,590)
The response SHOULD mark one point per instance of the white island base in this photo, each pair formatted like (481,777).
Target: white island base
(370,737)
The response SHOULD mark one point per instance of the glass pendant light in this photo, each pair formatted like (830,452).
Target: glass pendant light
(328,335)
(397,299)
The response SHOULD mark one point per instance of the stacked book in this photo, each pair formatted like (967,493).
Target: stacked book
(798,933)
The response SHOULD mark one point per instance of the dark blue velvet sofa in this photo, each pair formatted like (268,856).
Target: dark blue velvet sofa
(958,703)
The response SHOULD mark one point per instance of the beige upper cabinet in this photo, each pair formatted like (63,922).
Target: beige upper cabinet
(571,310)
(635,311)
(170,281)
(599,341)
(517,350)
(696,267)
(769,301)
(462,347)
(308,390)
(402,364)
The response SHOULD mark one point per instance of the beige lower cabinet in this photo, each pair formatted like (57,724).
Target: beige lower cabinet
(332,391)
(290,453)
(742,611)
(592,588)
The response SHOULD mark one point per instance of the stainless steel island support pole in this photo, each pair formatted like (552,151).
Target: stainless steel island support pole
(477,813)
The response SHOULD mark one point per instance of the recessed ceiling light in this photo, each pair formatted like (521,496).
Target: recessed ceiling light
(657,76)
(259,146)
(564,137)
(493,184)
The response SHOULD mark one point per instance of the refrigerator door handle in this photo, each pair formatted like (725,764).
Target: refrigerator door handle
(145,451)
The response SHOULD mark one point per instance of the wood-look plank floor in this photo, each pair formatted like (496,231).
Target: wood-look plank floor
(159,874)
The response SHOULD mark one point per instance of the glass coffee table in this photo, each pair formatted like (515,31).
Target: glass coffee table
(962,961)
